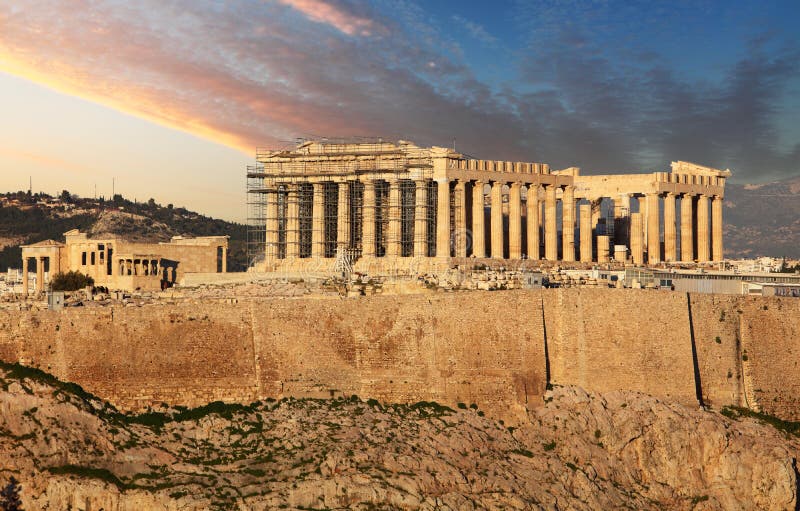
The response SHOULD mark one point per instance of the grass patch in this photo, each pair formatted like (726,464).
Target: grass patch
(735,412)
(20,372)
(523,452)
(89,473)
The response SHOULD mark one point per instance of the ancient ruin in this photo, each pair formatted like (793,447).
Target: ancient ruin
(118,264)
(382,205)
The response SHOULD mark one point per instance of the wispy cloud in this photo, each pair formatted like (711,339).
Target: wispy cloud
(334,15)
(475,30)
(254,73)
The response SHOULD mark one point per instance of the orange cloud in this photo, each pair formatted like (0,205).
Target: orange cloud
(125,97)
(324,12)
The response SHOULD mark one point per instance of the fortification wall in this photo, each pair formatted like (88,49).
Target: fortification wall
(715,326)
(448,348)
(471,347)
(621,339)
(770,335)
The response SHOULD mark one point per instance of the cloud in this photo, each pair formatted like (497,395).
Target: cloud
(475,30)
(588,90)
(326,12)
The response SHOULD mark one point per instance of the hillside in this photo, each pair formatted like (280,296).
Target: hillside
(763,220)
(30,218)
(577,451)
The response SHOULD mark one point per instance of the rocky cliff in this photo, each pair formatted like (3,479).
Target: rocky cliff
(579,451)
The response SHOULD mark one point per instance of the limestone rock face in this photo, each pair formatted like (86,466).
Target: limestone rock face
(579,451)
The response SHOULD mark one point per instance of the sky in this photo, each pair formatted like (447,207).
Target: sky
(170,99)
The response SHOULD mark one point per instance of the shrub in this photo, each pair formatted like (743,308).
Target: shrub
(71,281)
(9,496)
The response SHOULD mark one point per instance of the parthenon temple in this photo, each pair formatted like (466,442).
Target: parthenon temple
(379,204)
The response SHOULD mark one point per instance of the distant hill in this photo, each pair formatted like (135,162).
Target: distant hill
(26,218)
(762,220)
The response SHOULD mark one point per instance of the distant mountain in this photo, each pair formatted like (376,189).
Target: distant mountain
(762,220)
(26,218)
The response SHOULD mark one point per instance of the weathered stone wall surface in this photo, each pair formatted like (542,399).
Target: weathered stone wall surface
(623,339)
(715,325)
(770,333)
(448,348)
(471,347)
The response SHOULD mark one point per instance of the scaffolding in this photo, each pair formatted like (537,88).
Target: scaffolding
(282,190)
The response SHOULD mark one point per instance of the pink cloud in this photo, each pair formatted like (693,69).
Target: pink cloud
(245,75)
(325,12)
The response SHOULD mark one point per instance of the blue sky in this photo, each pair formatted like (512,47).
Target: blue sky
(170,99)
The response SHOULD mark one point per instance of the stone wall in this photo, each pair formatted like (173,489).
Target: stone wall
(621,339)
(486,348)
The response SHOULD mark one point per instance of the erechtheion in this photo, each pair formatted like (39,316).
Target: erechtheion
(119,264)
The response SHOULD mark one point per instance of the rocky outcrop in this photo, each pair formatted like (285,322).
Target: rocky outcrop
(579,451)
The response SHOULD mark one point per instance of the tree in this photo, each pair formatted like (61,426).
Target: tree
(71,281)
(66,196)
(9,496)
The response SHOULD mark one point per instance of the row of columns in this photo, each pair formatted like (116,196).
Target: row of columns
(696,227)
(138,267)
(644,227)
(39,274)
(459,237)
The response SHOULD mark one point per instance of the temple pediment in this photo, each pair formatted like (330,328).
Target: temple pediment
(686,167)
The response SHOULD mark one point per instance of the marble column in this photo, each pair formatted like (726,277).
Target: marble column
(443,218)
(702,229)
(24,276)
(515,221)
(533,208)
(716,229)
(568,224)
(597,209)
(39,274)
(637,239)
(317,221)
(420,218)
(272,227)
(478,221)
(670,242)
(461,235)
(343,216)
(622,215)
(585,212)
(293,223)
(653,230)
(603,248)
(550,228)
(687,228)
(224,260)
(497,220)
(368,220)
(393,233)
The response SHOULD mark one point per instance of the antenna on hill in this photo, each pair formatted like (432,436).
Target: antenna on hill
(113,188)
(30,185)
